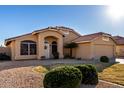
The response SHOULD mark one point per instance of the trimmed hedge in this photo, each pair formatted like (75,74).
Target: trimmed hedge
(63,77)
(89,73)
(104,59)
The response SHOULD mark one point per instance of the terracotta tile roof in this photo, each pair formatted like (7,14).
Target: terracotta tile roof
(58,28)
(89,37)
(119,40)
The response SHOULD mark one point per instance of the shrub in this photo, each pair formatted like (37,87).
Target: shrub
(39,69)
(89,73)
(104,59)
(3,56)
(63,77)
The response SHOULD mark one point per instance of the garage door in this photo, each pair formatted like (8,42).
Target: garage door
(103,50)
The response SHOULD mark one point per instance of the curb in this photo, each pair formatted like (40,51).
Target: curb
(121,86)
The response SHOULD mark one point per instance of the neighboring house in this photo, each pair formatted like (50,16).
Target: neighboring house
(43,43)
(120,46)
(5,50)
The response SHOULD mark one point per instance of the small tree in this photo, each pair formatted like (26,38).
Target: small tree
(71,46)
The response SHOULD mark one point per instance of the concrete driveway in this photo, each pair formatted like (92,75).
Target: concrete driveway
(120,60)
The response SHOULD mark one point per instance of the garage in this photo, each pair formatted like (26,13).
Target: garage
(95,45)
(103,50)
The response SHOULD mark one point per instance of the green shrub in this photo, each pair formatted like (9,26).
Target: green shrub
(63,77)
(89,73)
(104,59)
(3,56)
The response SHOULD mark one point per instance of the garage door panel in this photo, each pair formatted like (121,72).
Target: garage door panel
(103,50)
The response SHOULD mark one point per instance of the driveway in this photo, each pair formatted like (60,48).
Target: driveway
(120,60)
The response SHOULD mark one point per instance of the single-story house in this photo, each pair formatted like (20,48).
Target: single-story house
(44,42)
(119,45)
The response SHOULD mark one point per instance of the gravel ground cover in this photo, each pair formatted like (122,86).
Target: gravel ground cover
(19,74)
(24,77)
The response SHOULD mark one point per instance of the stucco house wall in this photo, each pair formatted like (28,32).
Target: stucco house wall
(67,39)
(103,48)
(95,49)
(43,35)
(83,51)
(120,50)
(119,45)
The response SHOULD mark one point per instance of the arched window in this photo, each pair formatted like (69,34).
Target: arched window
(28,47)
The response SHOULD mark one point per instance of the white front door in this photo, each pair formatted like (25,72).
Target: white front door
(47,51)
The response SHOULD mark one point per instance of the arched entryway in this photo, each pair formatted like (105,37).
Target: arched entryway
(49,36)
(50,47)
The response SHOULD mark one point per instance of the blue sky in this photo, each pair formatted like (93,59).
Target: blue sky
(18,20)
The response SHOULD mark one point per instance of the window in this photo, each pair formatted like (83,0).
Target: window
(24,49)
(28,47)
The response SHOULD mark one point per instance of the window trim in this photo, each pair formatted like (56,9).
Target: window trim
(29,43)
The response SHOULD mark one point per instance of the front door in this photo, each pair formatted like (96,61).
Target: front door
(47,51)
(54,49)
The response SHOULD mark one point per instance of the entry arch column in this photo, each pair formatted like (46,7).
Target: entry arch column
(60,47)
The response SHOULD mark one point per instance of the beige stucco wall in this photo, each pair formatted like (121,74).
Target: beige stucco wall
(96,49)
(67,52)
(83,51)
(43,35)
(120,50)
(71,36)
(67,39)
(103,48)
(50,39)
